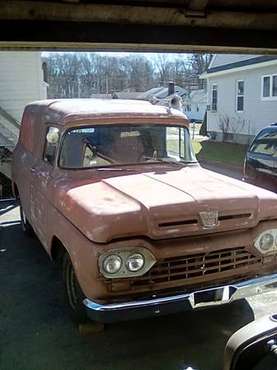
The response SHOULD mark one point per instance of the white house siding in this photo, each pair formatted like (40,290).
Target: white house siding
(257,112)
(21,81)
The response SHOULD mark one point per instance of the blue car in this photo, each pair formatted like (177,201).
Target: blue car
(260,167)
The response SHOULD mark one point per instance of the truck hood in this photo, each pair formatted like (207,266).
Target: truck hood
(164,204)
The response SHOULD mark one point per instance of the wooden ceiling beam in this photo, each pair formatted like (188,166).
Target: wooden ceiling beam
(190,26)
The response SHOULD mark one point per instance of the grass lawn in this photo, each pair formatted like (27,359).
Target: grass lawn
(228,153)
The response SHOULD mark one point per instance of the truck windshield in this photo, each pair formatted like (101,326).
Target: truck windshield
(109,145)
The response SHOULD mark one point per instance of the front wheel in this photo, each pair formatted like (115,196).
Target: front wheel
(25,224)
(74,294)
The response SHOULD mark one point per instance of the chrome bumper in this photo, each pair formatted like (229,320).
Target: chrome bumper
(172,304)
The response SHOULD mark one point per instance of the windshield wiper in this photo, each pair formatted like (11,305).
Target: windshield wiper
(162,160)
(151,161)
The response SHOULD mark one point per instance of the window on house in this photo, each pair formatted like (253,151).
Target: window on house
(274,85)
(240,96)
(45,71)
(197,108)
(269,86)
(266,86)
(214,98)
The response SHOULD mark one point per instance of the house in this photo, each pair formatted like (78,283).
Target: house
(163,94)
(242,96)
(117,95)
(195,105)
(158,95)
(22,79)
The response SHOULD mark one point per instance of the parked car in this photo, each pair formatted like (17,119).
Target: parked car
(253,347)
(113,191)
(261,159)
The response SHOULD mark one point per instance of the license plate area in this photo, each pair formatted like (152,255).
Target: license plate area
(211,297)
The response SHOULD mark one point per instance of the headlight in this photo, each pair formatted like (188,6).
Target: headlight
(135,262)
(112,264)
(267,241)
(125,262)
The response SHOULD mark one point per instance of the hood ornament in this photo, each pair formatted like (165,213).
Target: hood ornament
(209,219)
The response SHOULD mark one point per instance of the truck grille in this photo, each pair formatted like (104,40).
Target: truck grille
(242,217)
(193,269)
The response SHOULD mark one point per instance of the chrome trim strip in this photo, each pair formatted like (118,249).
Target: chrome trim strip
(230,293)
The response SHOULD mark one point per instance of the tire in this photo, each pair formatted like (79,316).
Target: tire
(25,224)
(73,292)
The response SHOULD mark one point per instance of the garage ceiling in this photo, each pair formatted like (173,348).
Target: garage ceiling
(188,25)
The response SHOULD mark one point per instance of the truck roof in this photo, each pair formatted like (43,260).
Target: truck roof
(63,111)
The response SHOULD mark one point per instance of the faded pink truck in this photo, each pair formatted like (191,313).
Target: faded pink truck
(113,191)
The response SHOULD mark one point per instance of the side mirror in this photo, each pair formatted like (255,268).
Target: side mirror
(52,139)
(253,347)
(53,135)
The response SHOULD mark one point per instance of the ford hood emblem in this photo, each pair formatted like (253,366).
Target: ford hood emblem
(209,219)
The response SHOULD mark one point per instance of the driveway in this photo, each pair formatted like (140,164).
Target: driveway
(37,334)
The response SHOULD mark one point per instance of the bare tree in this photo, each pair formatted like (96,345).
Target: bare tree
(82,74)
(224,126)
(230,126)
(199,62)
(163,67)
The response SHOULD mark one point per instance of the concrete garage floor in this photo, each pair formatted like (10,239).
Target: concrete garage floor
(37,334)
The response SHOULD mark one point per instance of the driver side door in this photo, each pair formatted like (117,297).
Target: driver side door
(41,175)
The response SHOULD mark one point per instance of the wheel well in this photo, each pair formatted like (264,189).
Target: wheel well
(57,249)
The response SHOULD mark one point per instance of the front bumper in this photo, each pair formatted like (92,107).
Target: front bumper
(155,306)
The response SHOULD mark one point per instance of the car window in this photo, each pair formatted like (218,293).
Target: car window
(265,143)
(264,148)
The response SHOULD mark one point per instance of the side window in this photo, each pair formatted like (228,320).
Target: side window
(214,98)
(175,141)
(265,143)
(51,143)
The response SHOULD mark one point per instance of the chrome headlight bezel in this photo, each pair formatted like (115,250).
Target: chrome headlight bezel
(105,262)
(137,256)
(125,254)
(273,248)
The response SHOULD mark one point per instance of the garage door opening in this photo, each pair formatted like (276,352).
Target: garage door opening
(236,95)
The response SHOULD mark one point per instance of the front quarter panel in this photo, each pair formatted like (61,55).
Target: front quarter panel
(82,252)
